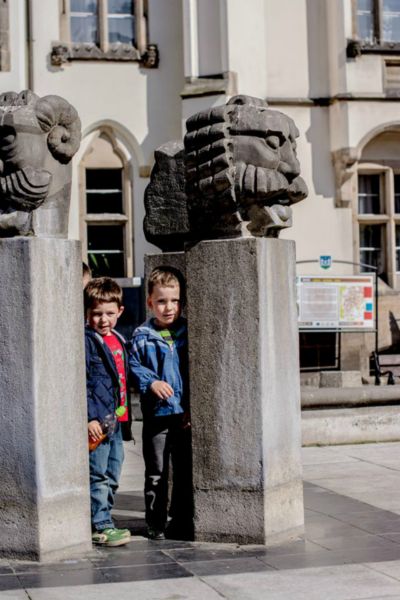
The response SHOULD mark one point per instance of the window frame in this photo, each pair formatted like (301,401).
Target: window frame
(66,50)
(124,219)
(357,45)
(388,218)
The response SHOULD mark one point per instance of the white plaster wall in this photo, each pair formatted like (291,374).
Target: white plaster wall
(367,119)
(318,227)
(337,16)
(287,48)
(16,79)
(210,38)
(144,104)
(365,75)
(246,44)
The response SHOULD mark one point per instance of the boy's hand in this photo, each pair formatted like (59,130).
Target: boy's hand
(95,430)
(162,389)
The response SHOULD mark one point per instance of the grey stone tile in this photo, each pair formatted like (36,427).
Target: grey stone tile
(364,541)
(202,554)
(5,569)
(14,595)
(9,582)
(149,557)
(391,568)
(167,589)
(64,566)
(350,582)
(63,579)
(145,572)
(296,547)
(227,566)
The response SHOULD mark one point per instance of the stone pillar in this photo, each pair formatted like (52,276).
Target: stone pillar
(245,390)
(44,483)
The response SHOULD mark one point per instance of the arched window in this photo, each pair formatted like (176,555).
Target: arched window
(106,208)
(378,206)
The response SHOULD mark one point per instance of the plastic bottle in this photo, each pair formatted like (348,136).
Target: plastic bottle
(108,425)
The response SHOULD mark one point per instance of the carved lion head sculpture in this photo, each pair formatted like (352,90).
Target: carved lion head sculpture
(38,138)
(242,172)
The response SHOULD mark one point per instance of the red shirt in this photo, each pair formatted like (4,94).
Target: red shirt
(118,354)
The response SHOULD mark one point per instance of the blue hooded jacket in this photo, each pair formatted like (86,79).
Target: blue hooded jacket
(102,382)
(152,358)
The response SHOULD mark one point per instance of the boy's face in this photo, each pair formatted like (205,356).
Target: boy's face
(165,304)
(103,316)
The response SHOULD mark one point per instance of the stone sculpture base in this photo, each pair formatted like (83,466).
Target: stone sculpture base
(245,390)
(44,484)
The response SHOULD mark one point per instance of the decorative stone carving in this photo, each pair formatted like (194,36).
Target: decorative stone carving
(239,177)
(151,58)
(38,138)
(60,55)
(166,223)
(345,162)
(242,172)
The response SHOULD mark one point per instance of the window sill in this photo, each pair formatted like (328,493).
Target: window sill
(63,53)
(106,218)
(358,47)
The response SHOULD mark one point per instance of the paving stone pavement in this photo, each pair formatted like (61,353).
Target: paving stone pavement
(351,548)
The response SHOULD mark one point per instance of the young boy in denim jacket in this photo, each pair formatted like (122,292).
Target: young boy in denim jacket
(159,366)
(106,369)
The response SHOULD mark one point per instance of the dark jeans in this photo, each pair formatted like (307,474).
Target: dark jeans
(164,437)
(105,468)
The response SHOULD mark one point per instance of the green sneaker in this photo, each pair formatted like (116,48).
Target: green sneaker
(111,537)
(125,532)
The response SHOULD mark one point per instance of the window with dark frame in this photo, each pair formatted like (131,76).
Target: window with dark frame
(378,23)
(105,222)
(373,223)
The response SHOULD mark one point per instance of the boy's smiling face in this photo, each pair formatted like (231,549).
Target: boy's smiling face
(103,316)
(165,304)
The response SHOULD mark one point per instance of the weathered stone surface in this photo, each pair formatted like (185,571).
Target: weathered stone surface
(166,222)
(44,508)
(239,177)
(38,138)
(245,390)
(242,172)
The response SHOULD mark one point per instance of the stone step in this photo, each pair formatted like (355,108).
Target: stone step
(365,424)
(349,397)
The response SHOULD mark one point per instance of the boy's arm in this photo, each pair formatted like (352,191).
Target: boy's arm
(91,405)
(142,376)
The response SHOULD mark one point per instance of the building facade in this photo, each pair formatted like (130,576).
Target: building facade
(136,69)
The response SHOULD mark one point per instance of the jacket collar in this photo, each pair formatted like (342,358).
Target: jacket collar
(150,329)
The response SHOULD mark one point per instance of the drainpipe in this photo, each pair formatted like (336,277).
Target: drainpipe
(29,45)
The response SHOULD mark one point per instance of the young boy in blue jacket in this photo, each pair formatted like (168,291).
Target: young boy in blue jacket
(107,399)
(159,366)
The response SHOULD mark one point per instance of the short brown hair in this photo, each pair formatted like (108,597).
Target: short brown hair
(167,276)
(102,289)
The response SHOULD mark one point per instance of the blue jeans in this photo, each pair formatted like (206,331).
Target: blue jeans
(105,465)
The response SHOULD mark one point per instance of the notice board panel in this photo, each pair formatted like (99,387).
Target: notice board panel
(326,302)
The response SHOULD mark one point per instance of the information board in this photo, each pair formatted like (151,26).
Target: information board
(326,302)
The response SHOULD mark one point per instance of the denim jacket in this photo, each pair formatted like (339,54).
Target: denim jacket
(152,358)
(102,382)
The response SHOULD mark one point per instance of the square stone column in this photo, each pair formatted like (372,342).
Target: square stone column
(44,477)
(245,390)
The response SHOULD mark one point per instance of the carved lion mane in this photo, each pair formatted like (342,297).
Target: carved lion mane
(242,172)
